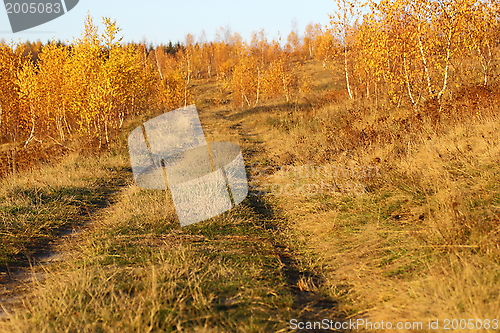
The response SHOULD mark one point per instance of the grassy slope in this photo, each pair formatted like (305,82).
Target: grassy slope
(131,268)
(416,240)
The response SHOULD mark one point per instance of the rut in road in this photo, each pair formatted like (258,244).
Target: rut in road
(17,278)
(312,305)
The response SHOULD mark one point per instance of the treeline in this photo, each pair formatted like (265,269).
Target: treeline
(401,51)
(54,91)
(412,51)
(86,88)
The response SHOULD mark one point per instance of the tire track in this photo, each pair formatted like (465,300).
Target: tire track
(17,278)
(311,304)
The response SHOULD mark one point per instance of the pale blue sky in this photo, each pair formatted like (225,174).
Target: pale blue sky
(161,21)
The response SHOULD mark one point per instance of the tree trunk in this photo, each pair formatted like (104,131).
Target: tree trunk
(447,64)
(258,88)
(346,69)
(407,80)
(426,66)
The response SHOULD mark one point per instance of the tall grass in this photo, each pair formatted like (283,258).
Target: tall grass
(418,239)
(37,205)
(396,209)
(133,269)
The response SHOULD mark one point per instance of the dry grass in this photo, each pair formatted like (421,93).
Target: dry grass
(36,205)
(395,209)
(132,269)
(418,239)
(119,299)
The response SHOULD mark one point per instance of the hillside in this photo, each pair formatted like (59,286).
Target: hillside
(390,229)
(373,168)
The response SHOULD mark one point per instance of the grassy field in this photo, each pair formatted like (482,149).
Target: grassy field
(129,267)
(397,209)
(356,211)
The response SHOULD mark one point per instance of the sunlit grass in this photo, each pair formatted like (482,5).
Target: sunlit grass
(421,241)
(133,269)
(396,214)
